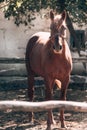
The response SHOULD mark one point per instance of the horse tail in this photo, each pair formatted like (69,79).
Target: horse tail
(58,83)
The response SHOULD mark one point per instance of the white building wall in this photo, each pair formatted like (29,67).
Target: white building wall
(13,39)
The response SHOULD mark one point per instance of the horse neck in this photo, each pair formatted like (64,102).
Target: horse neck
(65,47)
(66,50)
(64,44)
(64,40)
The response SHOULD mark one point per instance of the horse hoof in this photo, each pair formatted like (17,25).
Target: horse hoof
(48,128)
(63,128)
(31,123)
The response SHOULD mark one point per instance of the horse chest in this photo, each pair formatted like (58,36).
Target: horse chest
(57,66)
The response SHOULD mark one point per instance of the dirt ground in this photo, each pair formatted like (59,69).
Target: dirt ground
(19,120)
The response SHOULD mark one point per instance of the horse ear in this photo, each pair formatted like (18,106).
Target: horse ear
(51,15)
(62,19)
(63,15)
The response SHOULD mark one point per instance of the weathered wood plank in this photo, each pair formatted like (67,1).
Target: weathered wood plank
(42,106)
(22,60)
(12,60)
(80,59)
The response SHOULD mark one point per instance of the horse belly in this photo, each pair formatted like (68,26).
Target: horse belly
(35,59)
(37,51)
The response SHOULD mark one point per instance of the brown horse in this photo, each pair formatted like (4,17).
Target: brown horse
(48,55)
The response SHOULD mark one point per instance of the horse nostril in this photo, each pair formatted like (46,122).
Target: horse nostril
(60,47)
(53,47)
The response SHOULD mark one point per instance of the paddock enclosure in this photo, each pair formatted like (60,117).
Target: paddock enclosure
(13,86)
(19,120)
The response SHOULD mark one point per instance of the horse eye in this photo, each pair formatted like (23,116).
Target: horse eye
(63,27)
(60,47)
(53,47)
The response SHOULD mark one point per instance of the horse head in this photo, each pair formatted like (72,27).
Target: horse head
(58,24)
(56,42)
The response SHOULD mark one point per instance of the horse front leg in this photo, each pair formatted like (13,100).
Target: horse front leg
(63,97)
(49,94)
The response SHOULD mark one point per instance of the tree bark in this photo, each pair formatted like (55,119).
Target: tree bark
(73,33)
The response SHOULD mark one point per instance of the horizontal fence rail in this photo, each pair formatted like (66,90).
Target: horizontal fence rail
(43,106)
(22,60)
(12,60)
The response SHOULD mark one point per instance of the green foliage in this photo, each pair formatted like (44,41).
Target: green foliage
(23,11)
(78,10)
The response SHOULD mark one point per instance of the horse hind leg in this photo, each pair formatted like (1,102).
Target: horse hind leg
(30,74)
(31,88)
(31,95)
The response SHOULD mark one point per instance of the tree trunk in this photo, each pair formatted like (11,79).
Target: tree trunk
(73,33)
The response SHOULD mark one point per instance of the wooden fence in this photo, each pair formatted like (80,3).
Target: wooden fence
(43,106)
(22,61)
(27,106)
